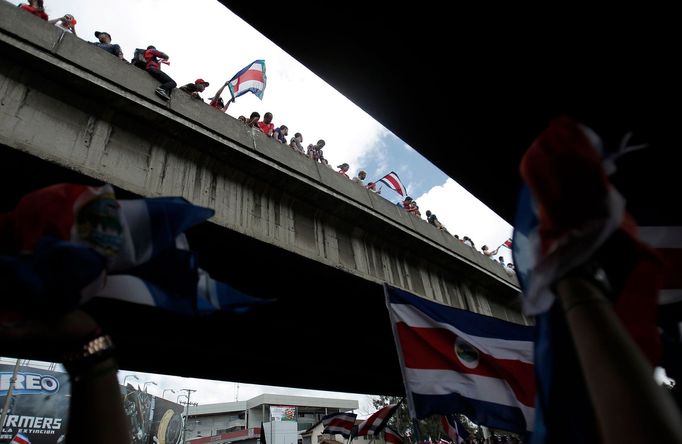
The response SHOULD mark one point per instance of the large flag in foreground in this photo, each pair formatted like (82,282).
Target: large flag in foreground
(250,79)
(339,423)
(456,361)
(392,181)
(568,216)
(65,244)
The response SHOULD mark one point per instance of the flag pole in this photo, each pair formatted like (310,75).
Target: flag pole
(408,394)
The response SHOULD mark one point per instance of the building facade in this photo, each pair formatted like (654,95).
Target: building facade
(242,420)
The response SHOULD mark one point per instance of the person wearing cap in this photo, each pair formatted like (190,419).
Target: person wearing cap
(67,23)
(343,170)
(193,89)
(153,67)
(105,44)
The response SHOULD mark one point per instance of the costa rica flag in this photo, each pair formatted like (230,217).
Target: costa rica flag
(456,361)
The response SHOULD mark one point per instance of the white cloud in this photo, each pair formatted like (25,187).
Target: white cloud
(206,40)
(465,215)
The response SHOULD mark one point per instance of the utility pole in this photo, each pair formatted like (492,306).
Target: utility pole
(5,408)
(184,428)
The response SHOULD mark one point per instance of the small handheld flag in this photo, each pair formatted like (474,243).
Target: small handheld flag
(392,181)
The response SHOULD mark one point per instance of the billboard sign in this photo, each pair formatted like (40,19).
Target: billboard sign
(283,413)
(39,409)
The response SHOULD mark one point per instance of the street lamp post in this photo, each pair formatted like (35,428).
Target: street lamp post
(167,390)
(144,387)
(130,376)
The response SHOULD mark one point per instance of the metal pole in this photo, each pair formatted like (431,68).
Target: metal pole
(12,380)
(184,429)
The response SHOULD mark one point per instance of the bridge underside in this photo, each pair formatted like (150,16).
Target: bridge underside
(275,345)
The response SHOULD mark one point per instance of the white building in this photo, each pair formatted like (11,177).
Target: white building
(241,421)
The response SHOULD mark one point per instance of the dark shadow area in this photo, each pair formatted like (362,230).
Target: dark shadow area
(471,87)
(328,330)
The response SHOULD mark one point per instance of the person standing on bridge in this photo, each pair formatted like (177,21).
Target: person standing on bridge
(153,58)
(315,151)
(36,8)
(105,44)
(67,23)
(266,126)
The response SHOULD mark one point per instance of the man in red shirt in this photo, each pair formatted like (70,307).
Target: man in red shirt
(266,125)
(154,69)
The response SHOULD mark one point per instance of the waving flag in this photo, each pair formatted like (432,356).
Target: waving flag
(454,429)
(72,243)
(377,421)
(456,361)
(250,79)
(339,423)
(391,436)
(392,181)
(567,216)
(507,243)
(20,438)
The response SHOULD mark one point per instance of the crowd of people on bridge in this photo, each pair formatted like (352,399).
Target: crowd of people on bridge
(151,59)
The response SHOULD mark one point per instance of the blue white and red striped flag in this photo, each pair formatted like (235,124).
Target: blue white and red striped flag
(20,438)
(456,361)
(392,181)
(454,429)
(391,436)
(339,423)
(569,215)
(250,79)
(71,243)
(377,421)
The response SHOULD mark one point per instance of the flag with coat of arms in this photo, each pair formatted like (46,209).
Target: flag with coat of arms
(456,361)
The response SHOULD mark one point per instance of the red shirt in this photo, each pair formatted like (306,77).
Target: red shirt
(152,56)
(34,11)
(267,128)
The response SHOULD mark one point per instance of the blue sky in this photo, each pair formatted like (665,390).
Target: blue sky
(205,40)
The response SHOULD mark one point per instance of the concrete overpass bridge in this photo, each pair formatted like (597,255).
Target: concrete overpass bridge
(284,227)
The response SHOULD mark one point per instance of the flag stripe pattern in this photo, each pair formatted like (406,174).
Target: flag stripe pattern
(250,79)
(339,423)
(454,429)
(377,421)
(392,181)
(20,438)
(455,361)
(92,245)
(392,437)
